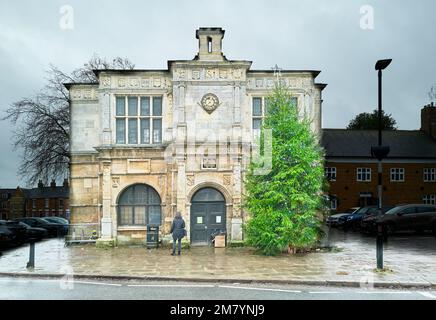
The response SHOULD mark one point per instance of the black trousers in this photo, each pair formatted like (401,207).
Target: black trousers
(179,245)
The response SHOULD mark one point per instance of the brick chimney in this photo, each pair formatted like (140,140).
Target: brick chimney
(40,184)
(428,120)
(53,184)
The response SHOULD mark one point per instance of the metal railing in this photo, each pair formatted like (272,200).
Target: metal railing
(82,233)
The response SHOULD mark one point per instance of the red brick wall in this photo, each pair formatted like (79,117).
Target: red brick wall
(40,209)
(347,189)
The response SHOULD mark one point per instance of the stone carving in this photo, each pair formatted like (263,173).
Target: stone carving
(134,82)
(157,82)
(181,73)
(211,73)
(115,182)
(223,73)
(84,94)
(237,73)
(121,82)
(209,102)
(196,75)
(236,210)
(145,83)
(87,94)
(227,180)
(259,83)
(190,180)
(77,94)
(106,81)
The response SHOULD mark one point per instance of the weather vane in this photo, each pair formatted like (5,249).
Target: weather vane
(277,71)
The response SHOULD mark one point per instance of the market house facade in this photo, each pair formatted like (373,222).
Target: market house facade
(148,143)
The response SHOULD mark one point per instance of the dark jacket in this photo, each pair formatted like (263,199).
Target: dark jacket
(178,228)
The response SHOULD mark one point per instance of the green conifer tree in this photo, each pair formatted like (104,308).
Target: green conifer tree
(284,201)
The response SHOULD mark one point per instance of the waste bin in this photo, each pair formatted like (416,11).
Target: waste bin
(152,236)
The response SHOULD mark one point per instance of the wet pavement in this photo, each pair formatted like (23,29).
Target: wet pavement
(410,258)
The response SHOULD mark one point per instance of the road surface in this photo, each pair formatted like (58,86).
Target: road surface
(71,289)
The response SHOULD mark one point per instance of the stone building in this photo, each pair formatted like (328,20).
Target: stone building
(148,143)
(409,172)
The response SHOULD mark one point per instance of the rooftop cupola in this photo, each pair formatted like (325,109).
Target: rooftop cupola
(210,44)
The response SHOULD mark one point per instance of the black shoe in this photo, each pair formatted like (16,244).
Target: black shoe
(179,253)
(173,254)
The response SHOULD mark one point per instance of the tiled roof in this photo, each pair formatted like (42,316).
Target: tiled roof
(47,192)
(414,144)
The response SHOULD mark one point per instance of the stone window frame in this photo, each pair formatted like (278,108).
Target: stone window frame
(429,174)
(261,116)
(363,174)
(397,174)
(146,207)
(151,117)
(331,173)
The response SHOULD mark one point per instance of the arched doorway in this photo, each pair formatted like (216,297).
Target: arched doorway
(139,205)
(208,215)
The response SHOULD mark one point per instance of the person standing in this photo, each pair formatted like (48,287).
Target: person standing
(178,231)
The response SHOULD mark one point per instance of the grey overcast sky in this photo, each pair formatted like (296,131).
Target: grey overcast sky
(309,34)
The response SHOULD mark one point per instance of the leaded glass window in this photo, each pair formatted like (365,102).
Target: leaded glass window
(139,205)
(138,119)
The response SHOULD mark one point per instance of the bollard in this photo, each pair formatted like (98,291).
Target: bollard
(379,246)
(31,263)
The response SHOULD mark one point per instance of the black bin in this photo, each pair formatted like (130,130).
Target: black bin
(152,236)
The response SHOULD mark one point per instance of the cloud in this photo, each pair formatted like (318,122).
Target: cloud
(293,34)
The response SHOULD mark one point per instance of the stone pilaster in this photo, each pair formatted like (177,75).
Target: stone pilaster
(106,237)
(236,220)
(105,119)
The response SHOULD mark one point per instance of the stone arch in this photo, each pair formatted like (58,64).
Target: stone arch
(214,185)
(142,206)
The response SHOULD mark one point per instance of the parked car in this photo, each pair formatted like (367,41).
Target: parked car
(417,217)
(58,220)
(53,229)
(6,237)
(354,221)
(34,234)
(339,218)
(18,231)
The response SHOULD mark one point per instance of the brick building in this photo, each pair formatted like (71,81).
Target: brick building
(5,203)
(45,201)
(409,172)
(42,201)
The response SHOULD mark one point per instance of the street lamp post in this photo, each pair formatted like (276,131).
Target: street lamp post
(380,152)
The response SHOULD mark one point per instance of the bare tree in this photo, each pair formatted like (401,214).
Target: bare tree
(42,122)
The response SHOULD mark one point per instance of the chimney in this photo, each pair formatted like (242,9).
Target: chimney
(53,184)
(210,44)
(428,120)
(65,184)
(40,184)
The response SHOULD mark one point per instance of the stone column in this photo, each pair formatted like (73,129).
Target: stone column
(106,237)
(236,232)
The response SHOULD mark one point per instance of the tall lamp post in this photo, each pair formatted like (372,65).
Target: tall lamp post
(380,152)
